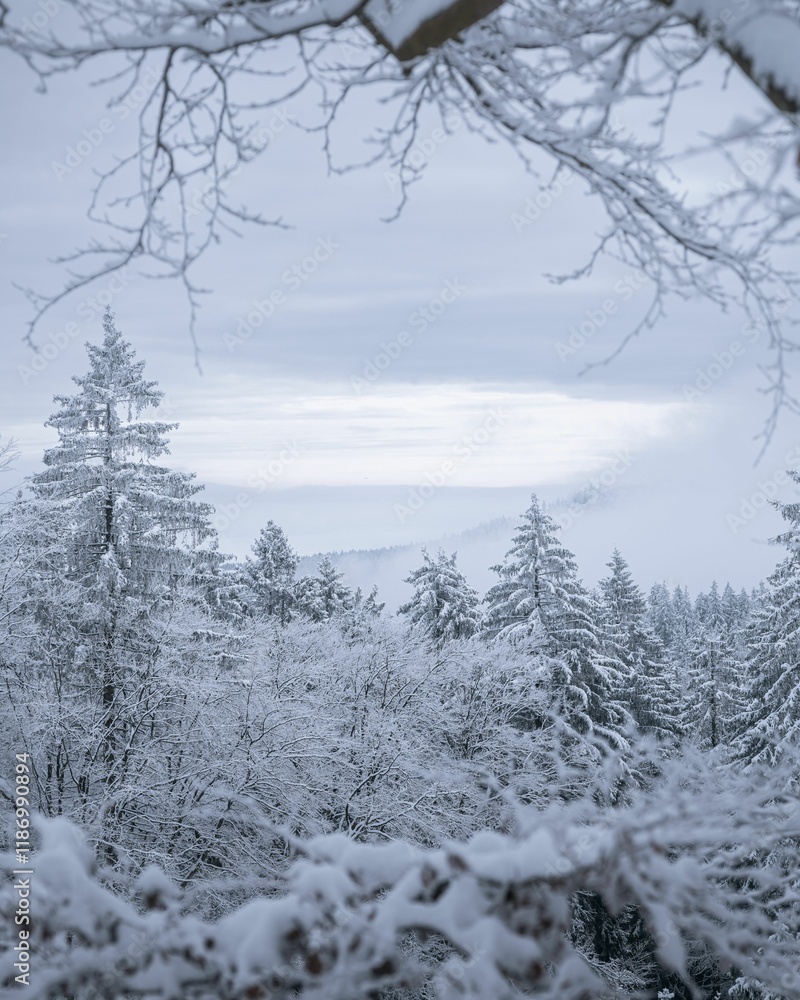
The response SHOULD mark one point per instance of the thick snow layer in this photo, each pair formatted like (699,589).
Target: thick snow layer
(771,39)
(400,21)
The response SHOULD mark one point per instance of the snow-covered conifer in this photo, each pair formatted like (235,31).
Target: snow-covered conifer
(271,573)
(540,602)
(324,596)
(713,671)
(769,722)
(652,695)
(443,606)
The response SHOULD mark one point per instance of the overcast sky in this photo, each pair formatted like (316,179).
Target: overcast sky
(414,357)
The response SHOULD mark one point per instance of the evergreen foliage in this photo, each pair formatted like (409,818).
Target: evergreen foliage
(444,607)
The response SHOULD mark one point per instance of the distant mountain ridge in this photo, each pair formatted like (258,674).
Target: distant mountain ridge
(478,548)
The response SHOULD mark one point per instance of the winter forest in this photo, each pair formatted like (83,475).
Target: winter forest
(496,248)
(248,783)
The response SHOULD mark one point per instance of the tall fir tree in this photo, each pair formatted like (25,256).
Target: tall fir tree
(672,617)
(652,695)
(768,725)
(125,517)
(540,602)
(710,693)
(659,613)
(444,606)
(128,524)
(271,573)
(324,596)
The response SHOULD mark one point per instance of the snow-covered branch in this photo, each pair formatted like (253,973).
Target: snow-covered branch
(551,80)
(355,918)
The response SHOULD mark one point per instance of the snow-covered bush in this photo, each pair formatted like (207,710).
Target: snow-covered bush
(352,919)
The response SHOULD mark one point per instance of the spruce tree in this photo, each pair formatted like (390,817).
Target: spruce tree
(540,602)
(324,596)
(271,573)
(363,614)
(652,695)
(127,522)
(769,723)
(672,618)
(711,691)
(444,606)
(659,613)
(335,596)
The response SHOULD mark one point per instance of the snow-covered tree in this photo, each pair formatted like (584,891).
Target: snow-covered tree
(540,602)
(8,453)
(443,606)
(119,620)
(355,920)
(125,517)
(370,605)
(324,596)
(272,571)
(769,722)
(659,613)
(713,675)
(652,695)
(363,613)
(673,619)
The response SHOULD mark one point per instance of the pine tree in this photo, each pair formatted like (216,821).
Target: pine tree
(702,711)
(652,693)
(368,605)
(672,618)
(324,596)
(769,723)
(659,613)
(124,516)
(363,613)
(684,626)
(710,695)
(126,522)
(306,597)
(335,596)
(540,602)
(271,573)
(444,606)
(735,609)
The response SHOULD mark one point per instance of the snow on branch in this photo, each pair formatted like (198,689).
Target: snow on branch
(548,79)
(411,28)
(764,42)
(355,918)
